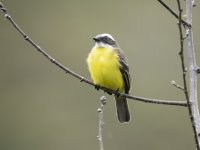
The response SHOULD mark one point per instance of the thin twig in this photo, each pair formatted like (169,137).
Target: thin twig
(174,14)
(177,85)
(193,100)
(181,54)
(81,78)
(101,122)
(193,3)
(156,101)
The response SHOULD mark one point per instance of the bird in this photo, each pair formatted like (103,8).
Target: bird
(108,67)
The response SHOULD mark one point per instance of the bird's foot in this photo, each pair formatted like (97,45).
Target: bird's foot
(97,87)
(117,92)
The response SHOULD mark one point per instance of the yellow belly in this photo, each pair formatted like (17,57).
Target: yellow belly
(104,68)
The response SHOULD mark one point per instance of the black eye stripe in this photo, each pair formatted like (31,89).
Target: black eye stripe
(107,40)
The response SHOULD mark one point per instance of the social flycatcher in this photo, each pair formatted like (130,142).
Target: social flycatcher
(109,68)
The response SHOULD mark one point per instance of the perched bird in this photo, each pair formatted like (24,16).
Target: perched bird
(109,68)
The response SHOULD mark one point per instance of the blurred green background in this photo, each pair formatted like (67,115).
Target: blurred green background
(42,108)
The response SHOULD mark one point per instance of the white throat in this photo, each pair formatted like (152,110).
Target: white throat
(101,44)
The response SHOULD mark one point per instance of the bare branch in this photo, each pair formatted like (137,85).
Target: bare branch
(81,78)
(156,101)
(193,100)
(101,122)
(173,13)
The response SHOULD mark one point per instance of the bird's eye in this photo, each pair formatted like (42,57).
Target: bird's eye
(107,38)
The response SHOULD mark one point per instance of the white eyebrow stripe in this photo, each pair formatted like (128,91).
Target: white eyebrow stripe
(106,34)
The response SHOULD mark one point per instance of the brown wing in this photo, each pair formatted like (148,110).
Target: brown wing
(124,70)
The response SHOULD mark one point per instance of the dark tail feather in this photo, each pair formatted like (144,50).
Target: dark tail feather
(122,109)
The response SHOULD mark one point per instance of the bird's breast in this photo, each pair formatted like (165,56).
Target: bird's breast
(104,68)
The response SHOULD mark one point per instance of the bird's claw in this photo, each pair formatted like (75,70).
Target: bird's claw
(117,92)
(97,87)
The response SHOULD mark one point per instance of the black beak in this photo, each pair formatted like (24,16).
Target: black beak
(95,39)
